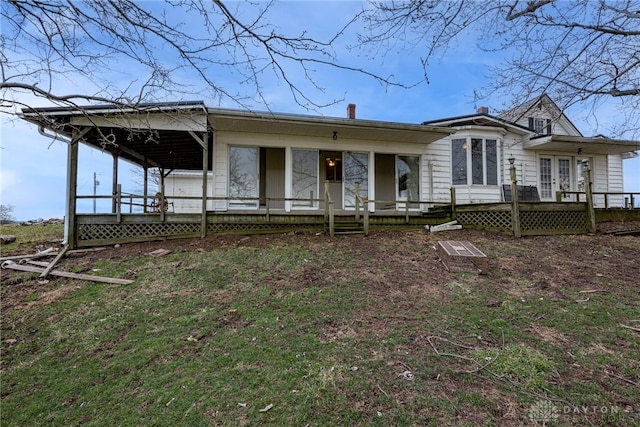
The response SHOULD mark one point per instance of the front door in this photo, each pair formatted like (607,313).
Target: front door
(555,175)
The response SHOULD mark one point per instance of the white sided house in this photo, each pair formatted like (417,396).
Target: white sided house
(284,160)
(228,170)
(548,151)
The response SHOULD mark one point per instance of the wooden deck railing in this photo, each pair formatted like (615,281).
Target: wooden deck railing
(629,197)
(365,206)
(126,202)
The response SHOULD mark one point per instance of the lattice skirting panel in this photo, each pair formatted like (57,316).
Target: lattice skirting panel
(257,227)
(531,222)
(488,220)
(124,232)
(552,221)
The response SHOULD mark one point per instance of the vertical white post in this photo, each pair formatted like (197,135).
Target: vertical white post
(288,178)
(371,195)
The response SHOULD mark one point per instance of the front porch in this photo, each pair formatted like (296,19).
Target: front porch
(541,218)
(109,229)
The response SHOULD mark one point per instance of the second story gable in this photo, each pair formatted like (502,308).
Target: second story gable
(542,117)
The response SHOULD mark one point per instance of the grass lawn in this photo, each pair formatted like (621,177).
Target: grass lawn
(305,330)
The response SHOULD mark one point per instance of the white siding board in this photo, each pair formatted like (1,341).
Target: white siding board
(187,185)
(439,154)
(220,177)
(615,179)
(599,178)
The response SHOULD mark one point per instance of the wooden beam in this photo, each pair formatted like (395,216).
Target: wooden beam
(42,255)
(202,141)
(114,182)
(72,186)
(9,258)
(591,214)
(59,273)
(515,208)
(53,263)
(145,191)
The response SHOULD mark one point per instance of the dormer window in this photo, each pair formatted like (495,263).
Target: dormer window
(540,126)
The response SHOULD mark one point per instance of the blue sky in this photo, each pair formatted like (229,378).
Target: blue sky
(33,167)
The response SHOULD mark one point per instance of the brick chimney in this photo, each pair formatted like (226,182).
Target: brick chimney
(483,110)
(351,111)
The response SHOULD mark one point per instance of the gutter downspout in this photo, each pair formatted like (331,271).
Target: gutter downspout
(55,138)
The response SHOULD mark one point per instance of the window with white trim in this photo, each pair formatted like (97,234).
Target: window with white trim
(474,161)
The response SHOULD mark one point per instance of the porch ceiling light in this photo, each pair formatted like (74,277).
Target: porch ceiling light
(335,136)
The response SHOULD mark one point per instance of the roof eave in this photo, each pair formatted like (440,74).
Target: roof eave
(499,122)
(583,145)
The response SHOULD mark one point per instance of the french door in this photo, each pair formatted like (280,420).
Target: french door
(554,175)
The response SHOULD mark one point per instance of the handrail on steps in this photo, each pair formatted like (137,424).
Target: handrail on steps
(365,207)
(328,209)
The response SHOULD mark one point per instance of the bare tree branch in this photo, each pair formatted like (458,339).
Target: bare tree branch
(577,51)
(129,52)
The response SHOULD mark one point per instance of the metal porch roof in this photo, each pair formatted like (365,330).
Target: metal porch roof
(160,134)
(586,145)
(152,134)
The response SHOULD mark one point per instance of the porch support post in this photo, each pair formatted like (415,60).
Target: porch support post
(72,184)
(160,200)
(591,214)
(453,202)
(145,190)
(371,194)
(70,234)
(114,202)
(515,208)
(430,165)
(288,178)
(205,174)
(203,140)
